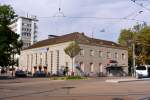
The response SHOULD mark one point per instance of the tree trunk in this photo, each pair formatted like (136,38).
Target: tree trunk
(72,72)
(13,66)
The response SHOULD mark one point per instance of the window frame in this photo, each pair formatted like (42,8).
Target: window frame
(100,53)
(91,52)
(81,52)
(108,55)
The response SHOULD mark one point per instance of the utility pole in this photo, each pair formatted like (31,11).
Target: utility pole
(133,52)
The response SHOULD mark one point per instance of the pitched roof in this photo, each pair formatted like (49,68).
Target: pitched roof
(80,37)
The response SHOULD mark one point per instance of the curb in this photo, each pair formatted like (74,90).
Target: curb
(126,80)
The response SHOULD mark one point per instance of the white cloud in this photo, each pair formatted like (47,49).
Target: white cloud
(82,8)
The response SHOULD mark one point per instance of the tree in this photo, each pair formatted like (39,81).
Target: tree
(126,38)
(10,44)
(139,35)
(144,45)
(72,50)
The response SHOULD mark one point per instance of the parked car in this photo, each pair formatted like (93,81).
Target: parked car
(29,74)
(142,71)
(20,73)
(39,74)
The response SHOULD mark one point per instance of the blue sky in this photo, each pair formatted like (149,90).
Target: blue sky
(102,9)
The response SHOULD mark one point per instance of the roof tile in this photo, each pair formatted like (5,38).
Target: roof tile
(80,37)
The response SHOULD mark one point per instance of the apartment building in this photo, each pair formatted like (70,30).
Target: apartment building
(95,56)
(27,28)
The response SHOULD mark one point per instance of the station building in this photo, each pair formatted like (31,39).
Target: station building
(96,56)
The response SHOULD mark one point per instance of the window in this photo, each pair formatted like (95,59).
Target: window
(91,53)
(81,52)
(100,67)
(116,55)
(108,55)
(82,66)
(123,56)
(141,68)
(22,34)
(100,53)
(29,25)
(91,67)
(29,34)
(66,64)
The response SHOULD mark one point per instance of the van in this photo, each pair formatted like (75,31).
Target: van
(142,71)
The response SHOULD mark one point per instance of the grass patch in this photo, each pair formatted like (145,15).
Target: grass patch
(75,78)
(68,78)
(58,78)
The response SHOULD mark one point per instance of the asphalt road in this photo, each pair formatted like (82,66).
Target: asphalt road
(92,89)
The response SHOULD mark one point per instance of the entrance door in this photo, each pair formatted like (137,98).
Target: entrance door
(100,69)
(45,69)
(35,69)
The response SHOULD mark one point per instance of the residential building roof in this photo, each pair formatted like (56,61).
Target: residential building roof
(80,37)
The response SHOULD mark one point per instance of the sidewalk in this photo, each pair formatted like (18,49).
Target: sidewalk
(126,80)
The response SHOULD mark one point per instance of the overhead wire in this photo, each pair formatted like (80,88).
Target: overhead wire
(60,14)
(99,18)
(126,17)
(92,17)
(141,5)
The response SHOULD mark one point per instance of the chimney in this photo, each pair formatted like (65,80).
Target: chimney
(52,36)
(82,33)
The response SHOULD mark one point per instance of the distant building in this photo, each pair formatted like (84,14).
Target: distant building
(27,28)
(96,56)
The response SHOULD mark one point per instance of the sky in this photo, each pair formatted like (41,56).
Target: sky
(93,17)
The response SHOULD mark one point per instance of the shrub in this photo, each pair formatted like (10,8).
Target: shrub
(75,78)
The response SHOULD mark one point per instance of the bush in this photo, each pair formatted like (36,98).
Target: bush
(68,78)
(75,78)
(58,78)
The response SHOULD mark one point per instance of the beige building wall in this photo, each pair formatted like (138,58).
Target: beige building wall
(57,59)
(100,61)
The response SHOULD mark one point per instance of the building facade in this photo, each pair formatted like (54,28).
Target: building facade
(27,28)
(94,57)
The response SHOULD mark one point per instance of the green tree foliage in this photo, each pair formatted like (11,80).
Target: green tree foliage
(9,41)
(72,50)
(140,36)
(126,37)
(143,45)
(6,15)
